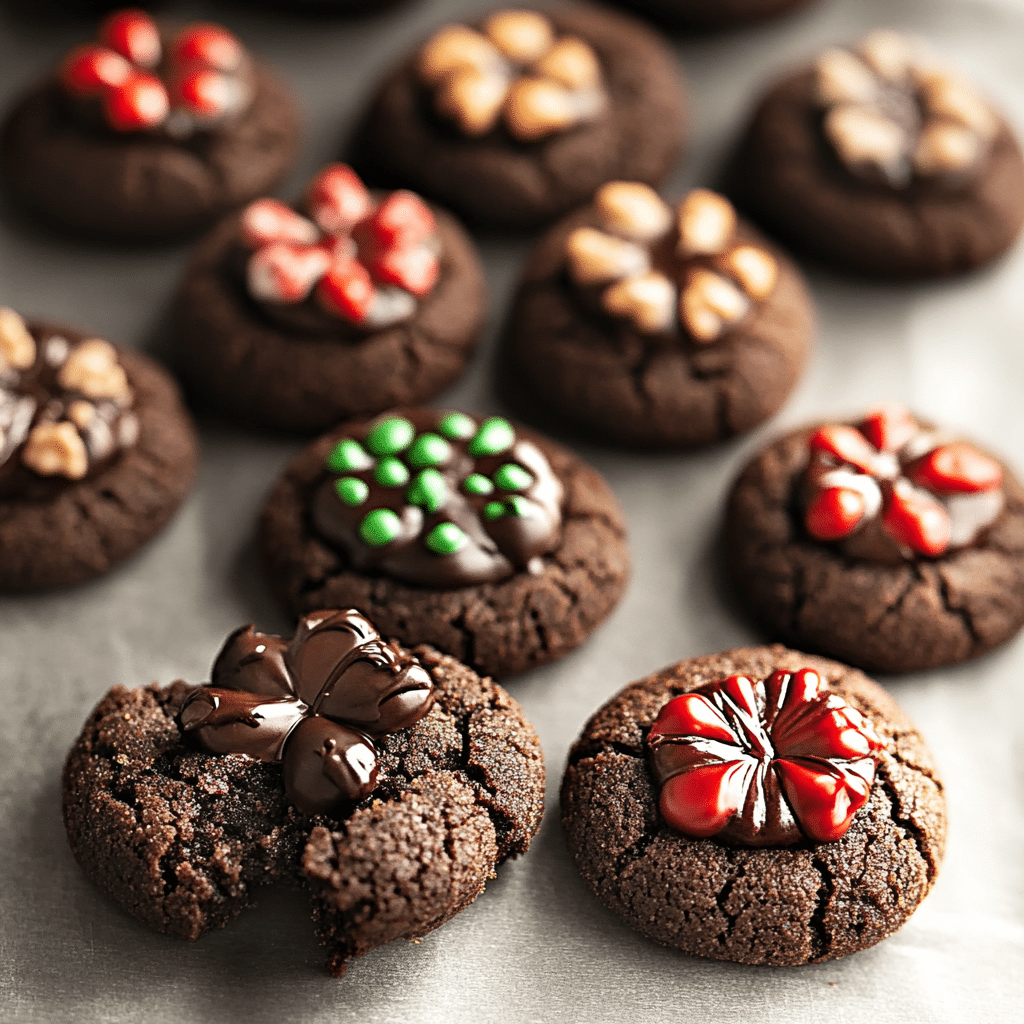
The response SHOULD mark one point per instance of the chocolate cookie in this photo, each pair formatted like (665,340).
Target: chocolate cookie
(146,135)
(758,805)
(373,300)
(880,162)
(711,14)
(887,543)
(659,327)
(96,454)
(491,543)
(388,783)
(519,120)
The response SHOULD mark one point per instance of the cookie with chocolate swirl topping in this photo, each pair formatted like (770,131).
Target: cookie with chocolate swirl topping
(388,783)
(96,453)
(465,532)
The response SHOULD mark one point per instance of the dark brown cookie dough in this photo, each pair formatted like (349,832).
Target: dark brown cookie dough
(786,176)
(182,839)
(779,906)
(496,181)
(711,14)
(901,616)
(139,186)
(71,531)
(237,359)
(601,374)
(500,628)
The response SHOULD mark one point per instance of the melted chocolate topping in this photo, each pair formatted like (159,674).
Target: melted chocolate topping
(439,499)
(314,703)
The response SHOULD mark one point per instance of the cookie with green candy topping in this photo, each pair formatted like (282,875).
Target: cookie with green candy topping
(466,532)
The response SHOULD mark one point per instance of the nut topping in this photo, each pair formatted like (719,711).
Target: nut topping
(647,300)
(754,269)
(93,370)
(706,223)
(708,303)
(862,135)
(945,147)
(595,257)
(17,347)
(633,210)
(56,448)
(842,78)
(515,71)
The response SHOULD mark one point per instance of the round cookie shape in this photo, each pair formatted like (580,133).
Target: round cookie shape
(96,453)
(886,542)
(518,120)
(458,788)
(658,326)
(711,14)
(883,163)
(147,134)
(465,532)
(347,304)
(781,905)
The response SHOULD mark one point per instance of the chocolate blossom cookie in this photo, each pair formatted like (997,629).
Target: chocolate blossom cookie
(96,453)
(659,326)
(388,783)
(149,133)
(886,542)
(353,302)
(881,162)
(488,542)
(520,118)
(758,805)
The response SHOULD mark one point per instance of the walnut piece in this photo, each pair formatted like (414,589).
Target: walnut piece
(456,48)
(708,303)
(522,36)
(17,346)
(473,99)
(945,148)
(755,269)
(537,107)
(81,413)
(571,62)
(706,223)
(93,370)
(842,78)
(56,449)
(863,135)
(648,300)
(595,257)
(632,210)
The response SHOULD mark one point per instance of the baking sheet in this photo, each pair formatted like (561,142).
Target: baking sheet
(535,946)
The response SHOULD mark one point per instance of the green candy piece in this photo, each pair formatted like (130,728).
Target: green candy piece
(511,477)
(352,490)
(517,505)
(428,489)
(391,473)
(494,509)
(495,435)
(514,505)
(477,483)
(446,539)
(429,450)
(457,426)
(390,436)
(380,527)
(348,456)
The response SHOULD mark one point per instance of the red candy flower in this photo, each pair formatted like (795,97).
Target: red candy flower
(366,261)
(200,79)
(891,475)
(762,763)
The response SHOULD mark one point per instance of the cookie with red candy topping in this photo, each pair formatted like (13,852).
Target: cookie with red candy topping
(657,325)
(881,161)
(149,132)
(96,453)
(517,119)
(759,805)
(887,542)
(346,304)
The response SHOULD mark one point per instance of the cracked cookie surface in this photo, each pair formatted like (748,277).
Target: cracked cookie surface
(527,620)
(777,906)
(183,839)
(661,391)
(903,617)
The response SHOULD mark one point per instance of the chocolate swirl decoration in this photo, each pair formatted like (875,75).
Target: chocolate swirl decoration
(314,703)
(65,407)
(439,499)
(891,489)
(762,763)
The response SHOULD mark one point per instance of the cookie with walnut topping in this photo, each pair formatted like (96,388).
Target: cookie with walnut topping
(148,133)
(518,119)
(887,542)
(485,540)
(881,161)
(659,326)
(759,805)
(388,783)
(96,453)
(346,304)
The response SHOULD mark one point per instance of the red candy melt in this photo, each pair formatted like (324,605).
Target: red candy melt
(141,102)
(210,45)
(337,199)
(401,221)
(889,427)
(133,34)
(834,513)
(845,444)
(917,520)
(347,291)
(92,69)
(416,270)
(956,468)
(286,273)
